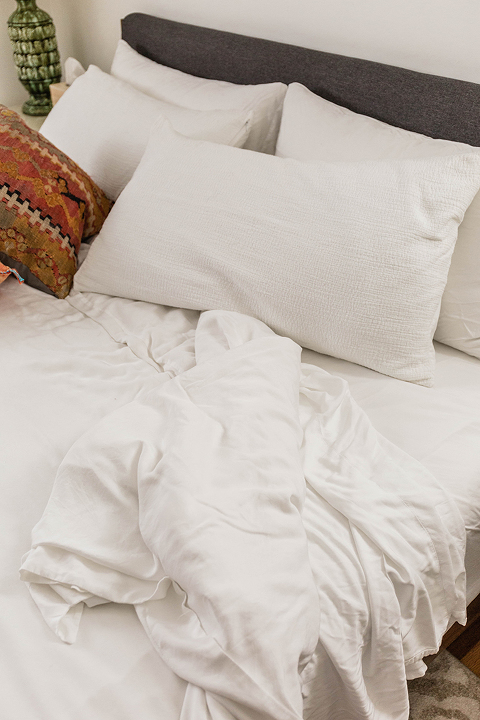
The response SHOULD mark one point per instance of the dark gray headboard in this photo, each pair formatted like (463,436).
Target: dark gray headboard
(428,104)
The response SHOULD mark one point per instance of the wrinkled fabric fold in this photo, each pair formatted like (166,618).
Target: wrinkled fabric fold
(282,556)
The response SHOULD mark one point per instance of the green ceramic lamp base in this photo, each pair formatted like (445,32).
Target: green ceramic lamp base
(40,105)
(32,34)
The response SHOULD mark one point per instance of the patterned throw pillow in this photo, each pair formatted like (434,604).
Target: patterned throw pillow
(47,205)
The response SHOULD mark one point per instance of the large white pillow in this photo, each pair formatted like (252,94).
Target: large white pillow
(314,129)
(164,83)
(349,259)
(103,124)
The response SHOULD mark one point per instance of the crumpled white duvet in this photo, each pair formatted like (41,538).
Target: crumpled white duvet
(284,558)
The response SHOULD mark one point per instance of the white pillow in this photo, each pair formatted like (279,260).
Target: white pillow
(326,254)
(198,93)
(314,129)
(103,124)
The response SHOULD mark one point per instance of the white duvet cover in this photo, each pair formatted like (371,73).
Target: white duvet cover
(282,556)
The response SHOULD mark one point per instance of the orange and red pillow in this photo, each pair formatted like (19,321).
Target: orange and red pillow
(48,204)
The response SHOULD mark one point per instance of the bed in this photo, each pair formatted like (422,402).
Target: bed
(308,534)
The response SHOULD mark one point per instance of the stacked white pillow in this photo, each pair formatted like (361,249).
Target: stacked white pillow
(315,130)
(347,258)
(103,124)
(164,83)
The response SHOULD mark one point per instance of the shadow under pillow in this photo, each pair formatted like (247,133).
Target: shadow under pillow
(47,205)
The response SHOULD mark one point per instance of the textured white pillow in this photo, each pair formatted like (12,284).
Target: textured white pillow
(197,93)
(103,124)
(314,129)
(349,259)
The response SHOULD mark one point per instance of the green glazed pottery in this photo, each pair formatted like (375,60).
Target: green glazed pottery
(35,52)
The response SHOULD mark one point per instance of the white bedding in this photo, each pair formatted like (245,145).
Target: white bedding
(438,426)
(87,372)
(61,373)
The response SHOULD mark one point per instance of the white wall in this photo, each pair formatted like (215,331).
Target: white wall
(12,91)
(436,36)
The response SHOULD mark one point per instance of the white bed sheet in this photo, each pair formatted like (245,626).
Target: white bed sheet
(61,372)
(438,426)
(115,675)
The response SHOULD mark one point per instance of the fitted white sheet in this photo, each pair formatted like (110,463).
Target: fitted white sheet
(86,373)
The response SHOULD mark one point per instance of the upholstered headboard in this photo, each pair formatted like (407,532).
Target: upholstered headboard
(435,106)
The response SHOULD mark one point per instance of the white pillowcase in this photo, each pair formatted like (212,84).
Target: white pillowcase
(103,124)
(174,86)
(326,254)
(314,129)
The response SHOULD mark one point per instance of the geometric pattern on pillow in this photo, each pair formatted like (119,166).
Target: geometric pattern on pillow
(48,204)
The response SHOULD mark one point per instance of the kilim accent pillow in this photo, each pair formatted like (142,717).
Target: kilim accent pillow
(47,205)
